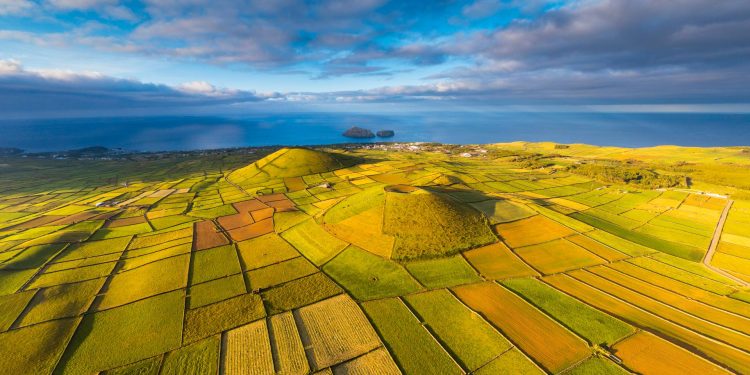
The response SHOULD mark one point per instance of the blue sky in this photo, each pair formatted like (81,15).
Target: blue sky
(93,57)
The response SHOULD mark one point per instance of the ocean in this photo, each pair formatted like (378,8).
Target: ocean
(210,132)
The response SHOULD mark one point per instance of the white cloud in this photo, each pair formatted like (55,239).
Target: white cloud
(10,66)
(12,7)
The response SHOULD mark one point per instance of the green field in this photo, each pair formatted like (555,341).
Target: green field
(360,259)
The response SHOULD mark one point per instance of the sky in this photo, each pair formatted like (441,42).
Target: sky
(64,58)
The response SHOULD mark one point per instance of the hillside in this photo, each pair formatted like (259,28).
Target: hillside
(370,260)
(406,222)
(289,162)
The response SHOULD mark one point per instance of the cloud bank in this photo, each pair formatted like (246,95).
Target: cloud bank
(476,51)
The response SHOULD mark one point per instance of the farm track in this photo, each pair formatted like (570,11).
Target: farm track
(715,244)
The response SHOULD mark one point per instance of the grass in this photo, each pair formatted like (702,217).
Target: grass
(368,276)
(327,324)
(442,226)
(35,349)
(247,350)
(501,211)
(61,301)
(411,345)
(299,293)
(552,346)
(160,237)
(120,295)
(510,363)
(675,300)
(125,334)
(679,274)
(71,276)
(498,262)
(32,257)
(730,357)
(620,244)
(645,352)
(597,248)
(265,250)
(279,273)
(201,357)
(214,263)
(150,366)
(589,323)
(596,366)
(375,362)
(473,341)
(128,230)
(288,162)
(658,308)
(314,242)
(286,342)
(217,317)
(534,230)
(151,279)
(677,249)
(443,272)
(11,306)
(216,290)
(557,256)
(90,249)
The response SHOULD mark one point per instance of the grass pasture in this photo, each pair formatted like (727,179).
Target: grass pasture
(368,276)
(443,272)
(201,357)
(587,322)
(314,242)
(497,262)
(547,342)
(644,352)
(125,334)
(335,330)
(411,345)
(726,355)
(473,341)
(36,349)
(300,292)
(248,350)
(557,256)
(531,231)
(287,344)
(418,261)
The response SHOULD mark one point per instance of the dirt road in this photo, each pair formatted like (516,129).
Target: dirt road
(715,244)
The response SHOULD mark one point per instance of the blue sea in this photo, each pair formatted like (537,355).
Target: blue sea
(209,132)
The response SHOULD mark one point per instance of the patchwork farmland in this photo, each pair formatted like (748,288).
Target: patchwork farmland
(372,260)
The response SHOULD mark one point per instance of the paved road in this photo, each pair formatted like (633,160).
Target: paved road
(715,244)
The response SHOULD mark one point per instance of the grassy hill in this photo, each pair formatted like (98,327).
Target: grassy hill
(381,260)
(406,222)
(289,162)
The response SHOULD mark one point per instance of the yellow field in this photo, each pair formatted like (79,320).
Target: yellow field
(657,307)
(570,204)
(248,350)
(497,262)
(597,248)
(675,300)
(547,342)
(375,362)
(732,357)
(648,354)
(335,330)
(557,256)
(291,359)
(738,266)
(721,302)
(534,230)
